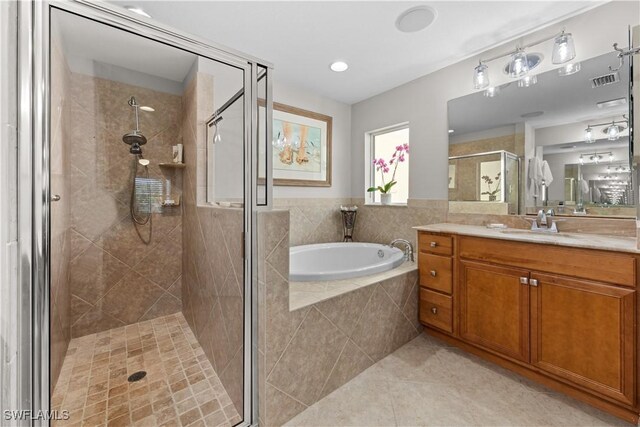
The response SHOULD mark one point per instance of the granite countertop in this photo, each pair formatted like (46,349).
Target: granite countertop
(578,240)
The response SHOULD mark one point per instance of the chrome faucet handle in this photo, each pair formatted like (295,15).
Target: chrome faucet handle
(542,218)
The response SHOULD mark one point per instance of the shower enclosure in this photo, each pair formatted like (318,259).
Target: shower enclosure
(486,177)
(139,264)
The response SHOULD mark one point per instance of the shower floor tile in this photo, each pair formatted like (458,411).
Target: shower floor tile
(180,387)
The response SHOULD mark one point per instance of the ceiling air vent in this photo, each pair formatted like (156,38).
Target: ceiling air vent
(607,79)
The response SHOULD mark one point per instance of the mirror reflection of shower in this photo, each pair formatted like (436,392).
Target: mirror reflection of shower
(135,139)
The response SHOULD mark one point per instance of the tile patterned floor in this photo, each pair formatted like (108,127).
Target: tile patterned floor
(180,389)
(427,383)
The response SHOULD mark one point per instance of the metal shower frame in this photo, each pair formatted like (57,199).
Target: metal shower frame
(34,183)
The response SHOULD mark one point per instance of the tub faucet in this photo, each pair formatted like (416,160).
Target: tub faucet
(408,248)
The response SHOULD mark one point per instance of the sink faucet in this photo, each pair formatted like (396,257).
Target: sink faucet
(545,222)
(408,248)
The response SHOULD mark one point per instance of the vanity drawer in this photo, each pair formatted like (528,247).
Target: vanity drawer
(435,244)
(604,266)
(436,272)
(435,310)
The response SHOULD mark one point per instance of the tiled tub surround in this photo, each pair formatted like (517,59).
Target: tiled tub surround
(213,265)
(181,387)
(303,294)
(60,294)
(306,353)
(115,278)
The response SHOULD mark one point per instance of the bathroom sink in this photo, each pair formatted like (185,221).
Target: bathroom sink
(535,232)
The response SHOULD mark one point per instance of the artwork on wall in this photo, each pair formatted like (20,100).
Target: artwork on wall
(301,147)
(452,176)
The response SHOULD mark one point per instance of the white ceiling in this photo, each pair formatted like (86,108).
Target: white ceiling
(301,38)
(86,40)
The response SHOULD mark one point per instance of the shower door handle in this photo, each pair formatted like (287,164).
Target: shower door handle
(55,198)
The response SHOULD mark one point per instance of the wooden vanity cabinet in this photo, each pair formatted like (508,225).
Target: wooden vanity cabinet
(551,313)
(494,308)
(584,332)
(435,262)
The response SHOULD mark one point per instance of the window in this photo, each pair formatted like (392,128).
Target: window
(383,145)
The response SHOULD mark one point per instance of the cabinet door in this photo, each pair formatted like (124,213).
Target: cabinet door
(584,332)
(494,308)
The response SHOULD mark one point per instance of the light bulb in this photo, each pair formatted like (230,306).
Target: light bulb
(610,157)
(588,135)
(613,132)
(527,81)
(569,69)
(581,160)
(563,49)
(492,91)
(481,76)
(519,65)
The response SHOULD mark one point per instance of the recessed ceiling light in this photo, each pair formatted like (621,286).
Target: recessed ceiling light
(450,130)
(415,19)
(339,66)
(137,10)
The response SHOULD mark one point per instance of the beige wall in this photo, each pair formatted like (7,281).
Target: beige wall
(304,355)
(60,311)
(115,278)
(213,263)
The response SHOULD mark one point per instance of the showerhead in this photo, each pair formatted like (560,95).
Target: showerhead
(135,149)
(134,137)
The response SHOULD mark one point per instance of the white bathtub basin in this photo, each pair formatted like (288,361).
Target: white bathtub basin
(335,261)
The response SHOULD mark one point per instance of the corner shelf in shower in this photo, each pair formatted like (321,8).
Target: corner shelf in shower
(172,165)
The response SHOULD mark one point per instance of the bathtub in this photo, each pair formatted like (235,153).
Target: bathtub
(335,261)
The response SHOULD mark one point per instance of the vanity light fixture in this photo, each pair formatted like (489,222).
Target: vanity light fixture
(528,81)
(589,138)
(492,92)
(520,63)
(596,157)
(569,69)
(563,48)
(339,66)
(612,130)
(138,11)
(481,76)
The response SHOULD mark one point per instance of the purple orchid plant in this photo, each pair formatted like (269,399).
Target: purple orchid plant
(399,156)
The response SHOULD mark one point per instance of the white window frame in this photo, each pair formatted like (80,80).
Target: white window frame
(369,169)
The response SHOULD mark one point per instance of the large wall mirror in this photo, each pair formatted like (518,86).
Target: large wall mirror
(560,142)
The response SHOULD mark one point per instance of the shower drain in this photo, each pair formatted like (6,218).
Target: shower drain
(137,376)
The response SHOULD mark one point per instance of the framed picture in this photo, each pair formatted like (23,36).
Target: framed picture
(301,147)
(452,176)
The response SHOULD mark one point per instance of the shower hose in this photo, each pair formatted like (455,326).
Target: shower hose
(141,220)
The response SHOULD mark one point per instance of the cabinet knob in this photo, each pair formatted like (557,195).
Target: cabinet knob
(433,244)
(533,282)
(55,198)
(434,310)
(524,280)
(433,273)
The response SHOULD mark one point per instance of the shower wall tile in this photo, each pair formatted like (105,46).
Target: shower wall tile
(212,259)
(305,354)
(115,278)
